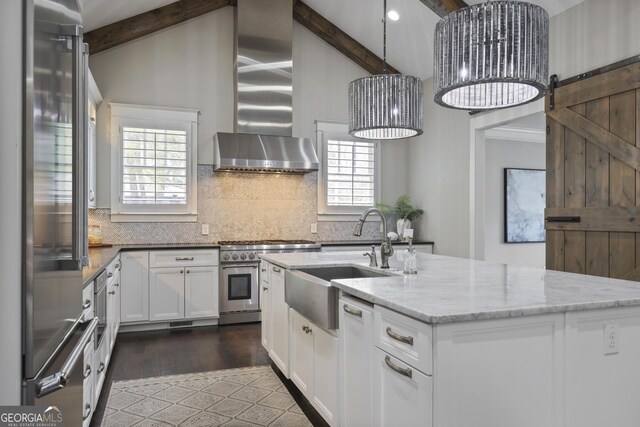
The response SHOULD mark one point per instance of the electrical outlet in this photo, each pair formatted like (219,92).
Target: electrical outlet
(205,229)
(611,338)
(314,228)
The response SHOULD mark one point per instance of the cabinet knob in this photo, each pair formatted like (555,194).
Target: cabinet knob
(181,271)
(101,367)
(87,304)
(188,271)
(87,412)
(112,293)
(110,274)
(264,288)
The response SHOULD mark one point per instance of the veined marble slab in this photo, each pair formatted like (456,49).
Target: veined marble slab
(450,289)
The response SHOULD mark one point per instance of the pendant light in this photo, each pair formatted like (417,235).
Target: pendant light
(385,106)
(491,55)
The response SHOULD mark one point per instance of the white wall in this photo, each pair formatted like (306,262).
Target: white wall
(500,155)
(439,176)
(10,214)
(593,34)
(191,66)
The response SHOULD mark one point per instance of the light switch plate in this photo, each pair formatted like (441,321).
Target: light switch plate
(205,229)
(314,228)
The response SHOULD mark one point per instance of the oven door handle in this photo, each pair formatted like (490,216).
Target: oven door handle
(252,266)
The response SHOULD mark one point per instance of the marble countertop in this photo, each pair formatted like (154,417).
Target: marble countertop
(370,242)
(447,289)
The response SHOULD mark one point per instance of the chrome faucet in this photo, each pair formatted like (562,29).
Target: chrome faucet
(373,260)
(386,250)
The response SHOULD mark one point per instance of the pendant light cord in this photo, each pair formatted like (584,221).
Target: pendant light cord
(384,39)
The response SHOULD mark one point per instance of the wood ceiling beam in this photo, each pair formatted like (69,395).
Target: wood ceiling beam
(130,29)
(444,7)
(341,41)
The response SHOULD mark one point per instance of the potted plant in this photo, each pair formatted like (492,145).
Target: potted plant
(405,212)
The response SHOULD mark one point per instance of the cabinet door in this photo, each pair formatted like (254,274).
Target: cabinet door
(265,306)
(111,311)
(134,287)
(356,351)
(325,373)
(402,394)
(302,354)
(166,294)
(279,352)
(201,292)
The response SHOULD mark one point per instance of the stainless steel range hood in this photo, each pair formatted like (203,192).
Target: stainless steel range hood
(263,95)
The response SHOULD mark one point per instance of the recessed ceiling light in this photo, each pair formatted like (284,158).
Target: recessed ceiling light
(393,15)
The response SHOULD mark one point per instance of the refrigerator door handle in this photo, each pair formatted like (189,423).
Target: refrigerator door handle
(79,250)
(58,380)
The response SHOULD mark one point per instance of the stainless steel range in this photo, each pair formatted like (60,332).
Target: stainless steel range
(240,275)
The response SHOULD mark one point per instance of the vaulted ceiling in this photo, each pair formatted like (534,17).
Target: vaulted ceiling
(409,40)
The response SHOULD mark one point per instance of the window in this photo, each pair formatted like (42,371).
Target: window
(154,164)
(348,181)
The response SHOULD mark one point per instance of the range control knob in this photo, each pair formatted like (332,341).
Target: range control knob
(226,257)
(252,256)
(235,256)
(243,256)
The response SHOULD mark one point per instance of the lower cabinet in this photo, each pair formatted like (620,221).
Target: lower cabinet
(265,307)
(166,294)
(279,320)
(134,279)
(201,297)
(314,365)
(356,344)
(88,384)
(402,394)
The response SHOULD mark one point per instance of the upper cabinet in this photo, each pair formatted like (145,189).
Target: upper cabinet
(95,99)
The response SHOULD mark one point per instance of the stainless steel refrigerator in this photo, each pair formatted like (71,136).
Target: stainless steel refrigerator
(54,206)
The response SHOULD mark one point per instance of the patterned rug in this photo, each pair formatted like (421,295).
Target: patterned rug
(232,397)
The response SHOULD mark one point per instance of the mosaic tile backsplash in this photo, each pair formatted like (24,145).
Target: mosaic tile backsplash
(240,206)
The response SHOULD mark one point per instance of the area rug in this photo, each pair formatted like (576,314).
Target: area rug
(232,397)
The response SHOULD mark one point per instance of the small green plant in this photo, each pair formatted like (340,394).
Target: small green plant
(403,208)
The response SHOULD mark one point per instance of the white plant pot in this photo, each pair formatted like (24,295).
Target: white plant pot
(401,225)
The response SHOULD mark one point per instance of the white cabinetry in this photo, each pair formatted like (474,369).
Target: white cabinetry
(265,306)
(201,296)
(183,285)
(88,384)
(279,320)
(94,103)
(402,394)
(314,365)
(113,303)
(356,345)
(134,281)
(166,293)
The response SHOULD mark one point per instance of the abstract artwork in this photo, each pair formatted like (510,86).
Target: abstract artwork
(524,194)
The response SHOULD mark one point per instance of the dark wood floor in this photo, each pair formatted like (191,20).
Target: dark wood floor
(170,352)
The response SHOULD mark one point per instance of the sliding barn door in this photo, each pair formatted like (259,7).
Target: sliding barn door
(593,175)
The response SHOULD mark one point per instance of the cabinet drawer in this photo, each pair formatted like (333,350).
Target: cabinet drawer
(87,302)
(403,396)
(407,339)
(185,258)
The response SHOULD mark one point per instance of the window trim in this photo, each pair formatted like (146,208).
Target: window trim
(123,115)
(324,131)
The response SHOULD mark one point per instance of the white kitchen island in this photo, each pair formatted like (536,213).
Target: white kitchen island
(463,343)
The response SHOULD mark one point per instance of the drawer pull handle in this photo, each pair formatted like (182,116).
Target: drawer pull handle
(87,412)
(184,258)
(87,304)
(398,337)
(352,311)
(87,371)
(110,274)
(116,285)
(264,288)
(112,293)
(276,269)
(402,371)
(264,270)
(101,367)
(563,219)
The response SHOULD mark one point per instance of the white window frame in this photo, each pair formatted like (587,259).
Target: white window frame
(126,115)
(340,131)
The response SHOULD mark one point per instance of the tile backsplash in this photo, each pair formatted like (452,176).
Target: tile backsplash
(240,206)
